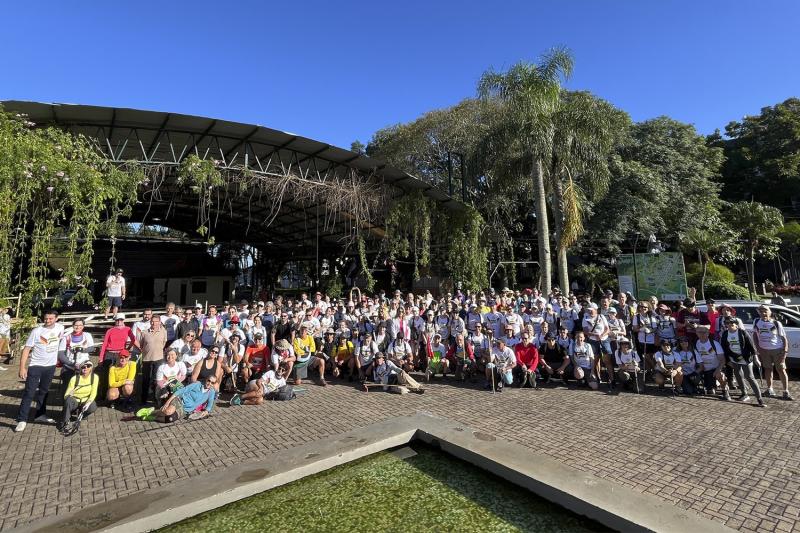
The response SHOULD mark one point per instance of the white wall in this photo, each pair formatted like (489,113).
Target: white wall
(212,294)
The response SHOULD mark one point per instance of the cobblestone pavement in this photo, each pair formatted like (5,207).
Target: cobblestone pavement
(731,462)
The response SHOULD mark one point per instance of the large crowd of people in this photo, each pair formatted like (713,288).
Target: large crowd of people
(178,362)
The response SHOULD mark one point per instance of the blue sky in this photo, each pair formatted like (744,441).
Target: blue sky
(338,71)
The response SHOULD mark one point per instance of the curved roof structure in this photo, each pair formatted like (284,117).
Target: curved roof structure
(165,139)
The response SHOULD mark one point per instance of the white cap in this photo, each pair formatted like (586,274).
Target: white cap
(82,359)
(612,310)
(119,316)
(592,305)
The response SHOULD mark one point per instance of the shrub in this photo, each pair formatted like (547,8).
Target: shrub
(726,291)
(715,272)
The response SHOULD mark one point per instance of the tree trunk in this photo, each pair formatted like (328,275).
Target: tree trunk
(558,225)
(542,227)
(703,268)
(751,277)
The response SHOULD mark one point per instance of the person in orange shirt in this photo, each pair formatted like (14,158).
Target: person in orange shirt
(256,358)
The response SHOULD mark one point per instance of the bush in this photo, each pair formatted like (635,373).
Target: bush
(715,272)
(726,291)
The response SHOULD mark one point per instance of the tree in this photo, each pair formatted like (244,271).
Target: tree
(789,235)
(757,225)
(529,94)
(595,276)
(585,132)
(763,156)
(706,242)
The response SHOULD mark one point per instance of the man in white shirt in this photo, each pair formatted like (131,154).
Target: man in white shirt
(115,291)
(773,346)
(502,364)
(712,362)
(37,365)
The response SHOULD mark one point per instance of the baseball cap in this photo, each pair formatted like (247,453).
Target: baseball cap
(119,316)
(612,310)
(235,319)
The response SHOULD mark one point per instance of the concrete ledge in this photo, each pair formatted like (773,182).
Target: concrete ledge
(610,504)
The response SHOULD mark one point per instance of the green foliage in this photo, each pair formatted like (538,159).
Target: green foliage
(595,276)
(408,229)
(332,285)
(758,226)
(202,177)
(714,273)
(725,290)
(58,192)
(789,235)
(362,257)
(763,155)
(467,255)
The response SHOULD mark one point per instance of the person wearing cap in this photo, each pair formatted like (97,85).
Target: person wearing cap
(116,339)
(616,327)
(233,329)
(527,356)
(567,315)
(81,390)
(121,380)
(645,325)
(283,352)
(387,373)
(510,339)
(668,365)
(343,358)
(726,311)
(502,363)
(460,358)
(73,342)
(666,327)
(554,361)
(712,362)
(773,346)
(115,291)
(740,352)
(690,366)
(688,319)
(256,358)
(627,362)
(437,358)
(595,327)
(582,357)
(364,356)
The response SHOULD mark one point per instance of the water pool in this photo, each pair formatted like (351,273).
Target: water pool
(428,491)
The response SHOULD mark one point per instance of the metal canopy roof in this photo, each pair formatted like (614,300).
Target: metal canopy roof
(152,137)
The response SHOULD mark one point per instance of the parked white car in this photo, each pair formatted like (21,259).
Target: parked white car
(747,311)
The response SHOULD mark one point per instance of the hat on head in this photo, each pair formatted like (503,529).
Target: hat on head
(710,301)
(83,359)
(624,340)
(688,302)
(702,327)
(330,331)
(198,305)
(258,335)
(124,353)
(119,316)
(282,345)
(729,308)
(612,310)
(592,305)
(235,319)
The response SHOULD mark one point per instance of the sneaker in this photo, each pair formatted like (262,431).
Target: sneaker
(787,396)
(726,396)
(402,390)
(743,398)
(197,415)
(235,400)
(418,390)
(20,427)
(144,412)
(761,403)
(44,419)
(769,393)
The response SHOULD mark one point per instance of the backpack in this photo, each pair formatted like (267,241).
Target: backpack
(283,394)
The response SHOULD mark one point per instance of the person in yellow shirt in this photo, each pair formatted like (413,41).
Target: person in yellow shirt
(81,390)
(343,358)
(305,350)
(121,378)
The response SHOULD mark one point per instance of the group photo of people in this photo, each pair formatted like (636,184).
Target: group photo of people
(175,363)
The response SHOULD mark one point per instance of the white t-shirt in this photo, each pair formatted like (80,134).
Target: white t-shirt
(688,361)
(625,358)
(647,325)
(708,353)
(5,325)
(166,372)
(115,286)
(271,382)
(44,343)
(582,355)
(595,326)
(504,357)
(190,359)
(668,359)
(769,333)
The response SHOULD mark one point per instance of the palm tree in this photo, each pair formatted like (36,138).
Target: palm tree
(585,129)
(757,225)
(530,94)
(706,242)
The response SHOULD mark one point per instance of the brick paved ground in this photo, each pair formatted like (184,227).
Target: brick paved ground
(733,463)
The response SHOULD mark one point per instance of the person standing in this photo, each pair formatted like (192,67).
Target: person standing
(115,291)
(153,342)
(740,353)
(5,333)
(37,365)
(773,346)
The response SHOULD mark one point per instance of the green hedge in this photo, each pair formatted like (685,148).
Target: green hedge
(727,291)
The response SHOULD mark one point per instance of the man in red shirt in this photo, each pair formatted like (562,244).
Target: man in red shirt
(688,319)
(711,318)
(256,358)
(527,361)
(115,341)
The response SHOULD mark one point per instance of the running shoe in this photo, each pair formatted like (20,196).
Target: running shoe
(235,400)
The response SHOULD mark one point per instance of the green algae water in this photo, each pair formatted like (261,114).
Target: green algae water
(430,491)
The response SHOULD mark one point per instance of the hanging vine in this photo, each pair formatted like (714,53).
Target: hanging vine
(365,269)
(408,230)
(467,254)
(58,193)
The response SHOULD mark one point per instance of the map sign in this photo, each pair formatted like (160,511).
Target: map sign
(661,275)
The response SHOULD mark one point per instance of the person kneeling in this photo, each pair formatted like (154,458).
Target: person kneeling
(81,391)
(195,401)
(668,367)
(500,369)
(121,377)
(627,361)
(270,386)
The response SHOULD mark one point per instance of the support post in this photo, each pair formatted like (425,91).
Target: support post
(449,174)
